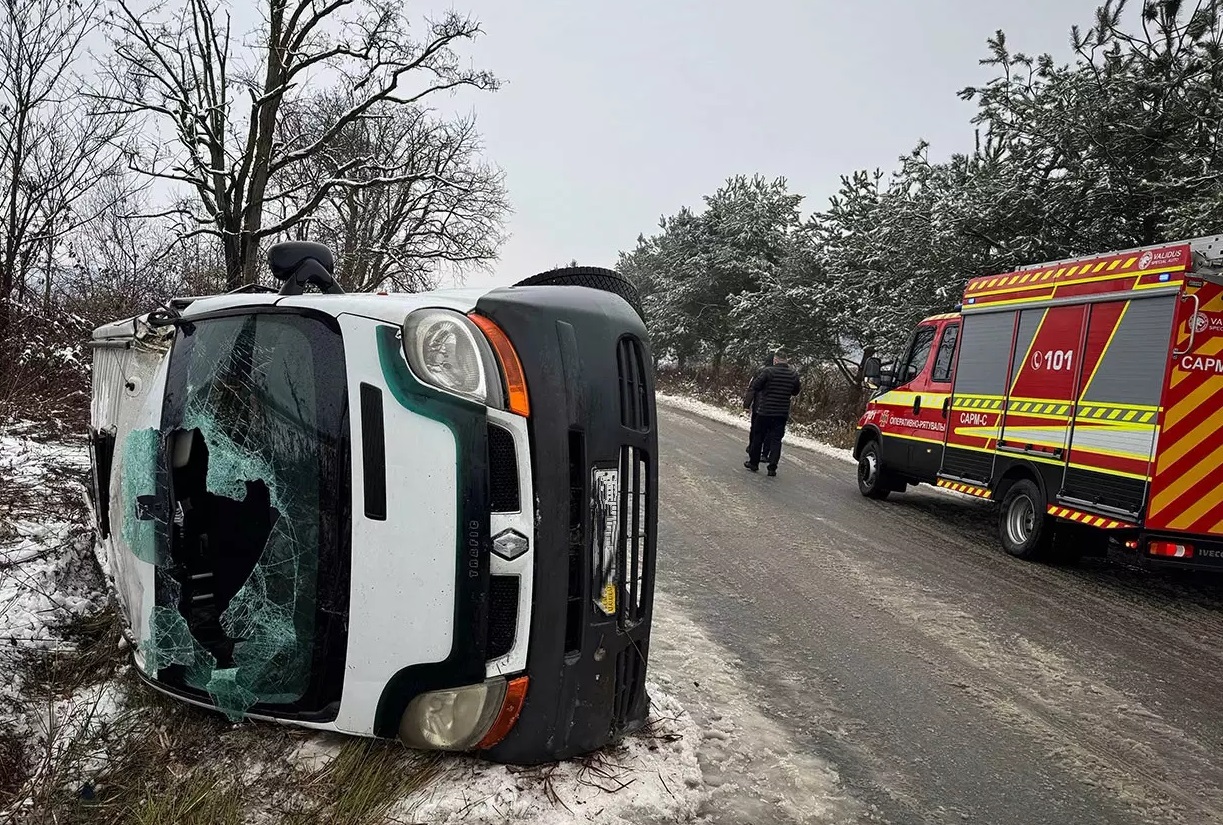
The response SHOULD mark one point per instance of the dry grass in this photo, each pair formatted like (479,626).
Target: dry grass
(165,761)
(170,762)
(88,655)
(360,784)
(204,798)
(13,772)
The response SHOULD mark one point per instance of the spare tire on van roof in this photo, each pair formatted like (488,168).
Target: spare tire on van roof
(593,277)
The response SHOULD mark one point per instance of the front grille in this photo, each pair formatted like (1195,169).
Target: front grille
(634,497)
(502,615)
(502,471)
(630,685)
(634,393)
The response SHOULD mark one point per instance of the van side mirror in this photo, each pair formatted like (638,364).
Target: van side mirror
(872,369)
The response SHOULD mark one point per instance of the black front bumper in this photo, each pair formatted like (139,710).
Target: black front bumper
(587,669)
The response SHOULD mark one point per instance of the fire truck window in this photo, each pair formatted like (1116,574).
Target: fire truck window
(919,354)
(946,354)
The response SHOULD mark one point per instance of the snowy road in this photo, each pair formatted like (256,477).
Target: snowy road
(855,661)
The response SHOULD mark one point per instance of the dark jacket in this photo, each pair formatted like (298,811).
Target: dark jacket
(751,392)
(774,387)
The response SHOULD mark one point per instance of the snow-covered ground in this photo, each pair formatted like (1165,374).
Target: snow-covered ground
(654,778)
(48,579)
(753,768)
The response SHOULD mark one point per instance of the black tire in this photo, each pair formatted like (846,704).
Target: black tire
(874,481)
(1024,526)
(591,277)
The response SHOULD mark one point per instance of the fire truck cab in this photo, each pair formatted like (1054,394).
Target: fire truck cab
(1077,394)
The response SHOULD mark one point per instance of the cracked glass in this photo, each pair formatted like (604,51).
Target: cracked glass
(252,439)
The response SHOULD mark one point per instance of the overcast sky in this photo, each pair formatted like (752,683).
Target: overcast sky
(615,113)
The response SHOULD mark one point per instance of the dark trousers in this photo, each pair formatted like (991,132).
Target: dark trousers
(765,439)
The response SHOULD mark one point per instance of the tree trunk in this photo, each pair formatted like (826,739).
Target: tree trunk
(250,260)
(232,241)
(46,281)
(6,314)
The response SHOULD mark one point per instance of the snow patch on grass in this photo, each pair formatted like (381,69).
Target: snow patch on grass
(651,777)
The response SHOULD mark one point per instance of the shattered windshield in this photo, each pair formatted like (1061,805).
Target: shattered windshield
(254,429)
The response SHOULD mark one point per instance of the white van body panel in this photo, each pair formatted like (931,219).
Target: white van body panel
(403,567)
(128,383)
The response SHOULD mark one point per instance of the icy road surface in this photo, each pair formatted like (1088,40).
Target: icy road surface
(859,661)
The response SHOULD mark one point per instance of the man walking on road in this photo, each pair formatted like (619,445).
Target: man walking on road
(751,399)
(773,388)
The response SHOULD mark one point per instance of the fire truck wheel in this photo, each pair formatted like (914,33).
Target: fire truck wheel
(873,480)
(1023,525)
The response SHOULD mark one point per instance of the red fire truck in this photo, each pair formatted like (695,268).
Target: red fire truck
(1078,393)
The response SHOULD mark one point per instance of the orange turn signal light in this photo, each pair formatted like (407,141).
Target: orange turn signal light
(515,697)
(511,367)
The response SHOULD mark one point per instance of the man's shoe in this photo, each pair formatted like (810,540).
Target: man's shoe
(772,472)
(749,465)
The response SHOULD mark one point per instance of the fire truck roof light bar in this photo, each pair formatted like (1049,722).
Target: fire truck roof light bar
(1196,244)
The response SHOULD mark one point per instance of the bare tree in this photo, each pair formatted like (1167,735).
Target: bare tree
(422,197)
(55,147)
(224,113)
(119,259)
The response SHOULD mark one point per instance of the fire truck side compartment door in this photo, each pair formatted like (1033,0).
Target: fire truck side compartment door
(1041,392)
(1115,417)
(984,340)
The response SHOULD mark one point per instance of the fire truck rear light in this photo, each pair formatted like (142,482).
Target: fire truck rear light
(1170,549)
(1132,544)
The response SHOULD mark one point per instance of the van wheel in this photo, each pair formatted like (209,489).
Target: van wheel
(873,480)
(1025,528)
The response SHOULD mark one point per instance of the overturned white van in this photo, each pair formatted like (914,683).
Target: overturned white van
(429,516)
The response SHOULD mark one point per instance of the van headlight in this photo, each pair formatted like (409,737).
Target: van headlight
(447,351)
(455,719)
